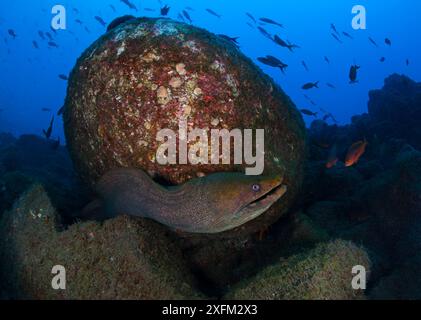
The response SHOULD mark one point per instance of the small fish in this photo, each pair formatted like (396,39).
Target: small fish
(75,10)
(346,34)
(41,34)
(35,44)
(382,59)
(270,21)
(332,159)
(181,17)
(149,9)
(355,152)
(407,62)
(265,33)
(327,60)
(336,37)
(187,16)
(53,30)
(49,36)
(12,33)
(165,10)
(313,103)
(308,112)
(129,4)
(189,8)
(53,44)
(78,21)
(311,85)
(330,85)
(250,25)
(101,21)
(304,64)
(60,111)
(213,13)
(47,133)
(333,27)
(251,17)
(230,39)
(63,77)
(388,42)
(113,8)
(353,74)
(273,62)
(284,44)
(46,110)
(373,42)
(87,30)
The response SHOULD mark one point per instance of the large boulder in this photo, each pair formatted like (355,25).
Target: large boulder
(150,74)
(121,259)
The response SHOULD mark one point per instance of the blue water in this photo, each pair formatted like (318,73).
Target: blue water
(29,77)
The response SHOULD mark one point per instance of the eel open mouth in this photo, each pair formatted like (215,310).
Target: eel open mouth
(257,207)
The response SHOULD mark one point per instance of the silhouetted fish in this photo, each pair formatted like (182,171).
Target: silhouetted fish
(327,60)
(336,38)
(308,112)
(330,85)
(52,44)
(47,133)
(382,59)
(230,39)
(49,36)
(113,8)
(388,42)
(346,34)
(187,16)
(118,21)
(372,41)
(213,13)
(41,34)
(284,44)
(101,21)
(165,10)
(304,64)
(63,77)
(265,33)
(270,21)
(333,27)
(251,17)
(273,62)
(311,85)
(12,33)
(35,44)
(353,73)
(129,4)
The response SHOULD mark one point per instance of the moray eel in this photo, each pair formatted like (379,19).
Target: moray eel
(212,204)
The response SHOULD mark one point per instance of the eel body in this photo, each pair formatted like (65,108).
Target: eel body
(212,204)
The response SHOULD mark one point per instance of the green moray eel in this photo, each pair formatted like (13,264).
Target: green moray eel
(212,204)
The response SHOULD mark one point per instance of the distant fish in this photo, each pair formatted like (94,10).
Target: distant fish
(332,159)
(313,103)
(63,77)
(382,59)
(76,10)
(230,39)
(265,33)
(346,34)
(129,4)
(35,44)
(47,133)
(308,112)
(353,74)
(60,111)
(304,64)
(52,44)
(327,60)
(407,62)
(250,25)
(101,21)
(113,8)
(251,17)
(310,85)
(355,152)
(49,36)
(12,33)
(388,42)
(187,16)
(78,21)
(336,38)
(333,27)
(46,110)
(213,13)
(273,62)
(87,29)
(270,21)
(330,85)
(149,9)
(41,34)
(373,42)
(189,8)
(284,44)
(181,17)
(165,10)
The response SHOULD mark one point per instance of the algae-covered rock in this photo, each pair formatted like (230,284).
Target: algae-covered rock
(121,259)
(322,273)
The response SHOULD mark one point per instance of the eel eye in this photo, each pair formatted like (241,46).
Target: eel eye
(256,187)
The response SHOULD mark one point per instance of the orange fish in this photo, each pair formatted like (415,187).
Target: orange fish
(332,160)
(355,152)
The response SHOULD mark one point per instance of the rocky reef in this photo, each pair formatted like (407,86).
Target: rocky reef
(368,214)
